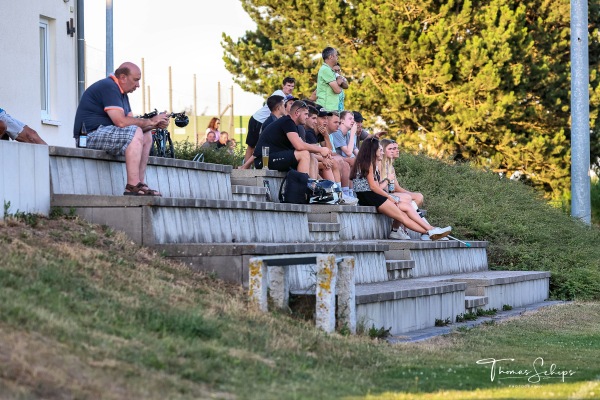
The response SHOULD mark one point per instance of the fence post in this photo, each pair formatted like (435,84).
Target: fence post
(257,285)
(279,285)
(325,293)
(346,294)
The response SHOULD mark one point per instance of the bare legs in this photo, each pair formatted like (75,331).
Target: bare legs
(28,135)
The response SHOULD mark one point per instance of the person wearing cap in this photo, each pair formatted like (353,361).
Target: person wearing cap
(361,133)
(257,119)
(329,86)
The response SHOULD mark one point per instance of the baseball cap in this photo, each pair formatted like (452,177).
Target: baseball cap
(357,116)
(324,113)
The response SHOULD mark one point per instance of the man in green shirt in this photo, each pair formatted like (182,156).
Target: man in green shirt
(329,86)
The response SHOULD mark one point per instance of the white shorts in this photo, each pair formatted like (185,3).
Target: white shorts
(13,126)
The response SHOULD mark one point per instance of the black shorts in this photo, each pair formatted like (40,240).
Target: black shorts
(253,132)
(370,199)
(280,161)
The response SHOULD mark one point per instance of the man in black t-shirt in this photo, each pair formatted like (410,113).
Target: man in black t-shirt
(286,149)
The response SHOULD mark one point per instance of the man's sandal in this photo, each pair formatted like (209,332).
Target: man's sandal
(141,189)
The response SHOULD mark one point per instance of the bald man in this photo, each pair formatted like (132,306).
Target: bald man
(104,109)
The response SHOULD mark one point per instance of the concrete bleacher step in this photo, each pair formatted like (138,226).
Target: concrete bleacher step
(259,178)
(407,305)
(94,172)
(356,222)
(324,231)
(249,193)
(439,257)
(229,261)
(473,303)
(153,220)
(513,288)
(399,269)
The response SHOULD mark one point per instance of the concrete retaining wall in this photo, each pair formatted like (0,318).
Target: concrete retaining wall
(24,178)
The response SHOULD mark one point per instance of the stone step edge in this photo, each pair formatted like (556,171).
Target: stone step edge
(256,173)
(57,151)
(489,278)
(403,289)
(323,227)
(234,249)
(475,301)
(75,200)
(377,292)
(397,265)
(243,189)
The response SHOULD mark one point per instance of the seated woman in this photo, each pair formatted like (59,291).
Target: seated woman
(365,176)
(390,153)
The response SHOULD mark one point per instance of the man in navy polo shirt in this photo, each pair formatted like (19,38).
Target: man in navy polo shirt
(104,109)
(286,149)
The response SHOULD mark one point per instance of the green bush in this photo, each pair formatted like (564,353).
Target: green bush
(524,232)
(595,194)
(186,150)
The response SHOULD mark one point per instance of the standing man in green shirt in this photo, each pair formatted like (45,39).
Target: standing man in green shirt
(329,86)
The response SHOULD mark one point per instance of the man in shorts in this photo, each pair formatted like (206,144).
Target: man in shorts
(286,149)
(105,113)
(16,130)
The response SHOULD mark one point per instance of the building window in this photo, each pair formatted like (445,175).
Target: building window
(44,69)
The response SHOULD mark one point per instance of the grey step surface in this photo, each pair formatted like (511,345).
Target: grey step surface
(230,261)
(356,222)
(154,220)
(94,172)
(474,302)
(514,288)
(408,305)
(399,269)
(248,193)
(258,177)
(324,231)
(435,257)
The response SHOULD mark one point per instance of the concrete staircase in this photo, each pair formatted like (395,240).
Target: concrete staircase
(215,219)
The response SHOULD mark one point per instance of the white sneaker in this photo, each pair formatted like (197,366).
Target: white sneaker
(425,236)
(399,235)
(349,200)
(438,233)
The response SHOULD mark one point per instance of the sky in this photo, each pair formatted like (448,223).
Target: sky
(183,34)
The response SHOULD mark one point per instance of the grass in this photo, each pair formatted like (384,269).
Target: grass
(524,232)
(104,318)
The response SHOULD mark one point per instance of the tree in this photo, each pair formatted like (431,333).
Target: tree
(487,82)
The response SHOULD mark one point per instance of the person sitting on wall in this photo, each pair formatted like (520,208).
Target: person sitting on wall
(105,113)
(16,130)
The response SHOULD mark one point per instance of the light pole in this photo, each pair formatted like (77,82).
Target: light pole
(580,113)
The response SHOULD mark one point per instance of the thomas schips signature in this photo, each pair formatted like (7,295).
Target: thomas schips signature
(534,375)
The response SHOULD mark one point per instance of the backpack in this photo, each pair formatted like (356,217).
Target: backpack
(294,188)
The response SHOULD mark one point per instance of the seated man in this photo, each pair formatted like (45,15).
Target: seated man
(211,141)
(16,130)
(343,138)
(286,149)
(105,112)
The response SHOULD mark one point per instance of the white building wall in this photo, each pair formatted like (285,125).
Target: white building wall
(20,66)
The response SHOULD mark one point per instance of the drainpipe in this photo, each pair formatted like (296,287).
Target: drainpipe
(109,38)
(80,50)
